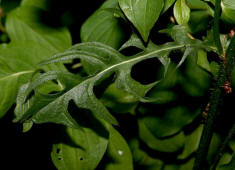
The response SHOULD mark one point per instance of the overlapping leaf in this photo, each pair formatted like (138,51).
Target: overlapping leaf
(143,14)
(103,27)
(171,144)
(103,62)
(84,152)
(118,151)
(31,42)
(106,61)
(181,12)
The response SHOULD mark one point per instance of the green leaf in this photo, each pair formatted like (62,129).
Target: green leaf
(84,152)
(118,152)
(82,94)
(9,5)
(214,147)
(225,159)
(171,144)
(167,5)
(31,42)
(170,123)
(142,159)
(198,21)
(229,166)
(216,32)
(196,81)
(202,60)
(134,41)
(118,100)
(36,3)
(183,166)
(230,55)
(143,14)
(165,95)
(103,27)
(197,5)
(179,33)
(24,24)
(24,110)
(191,143)
(228,11)
(27,126)
(181,12)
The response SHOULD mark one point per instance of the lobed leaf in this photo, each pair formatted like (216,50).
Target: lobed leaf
(100,61)
(31,42)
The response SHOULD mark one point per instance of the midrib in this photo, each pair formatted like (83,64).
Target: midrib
(16,74)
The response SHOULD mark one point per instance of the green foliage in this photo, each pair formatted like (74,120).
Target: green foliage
(82,93)
(29,37)
(181,12)
(131,94)
(228,8)
(86,154)
(106,30)
(143,14)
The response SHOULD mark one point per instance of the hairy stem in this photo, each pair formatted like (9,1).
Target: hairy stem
(230,66)
(223,146)
(215,105)
(215,99)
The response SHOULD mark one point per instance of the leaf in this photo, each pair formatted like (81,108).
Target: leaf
(170,123)
(198,21)
(191,143)
(181,12)
(142,13)
(118,152)
(166,96)
(183,166)
(198,5)
(167,5)
(229,166)
(202,60)
(83,153)
(36,3)
(230,55)
(118,100)
(196,81)
(103,27)
(31,42)
(180,33)
(134,41)
(9,5)
(225,159)
(171,144)
(142,159)
(24,110)
(214,147)
(82,94)
(27,126)
(216,32)
(228,11)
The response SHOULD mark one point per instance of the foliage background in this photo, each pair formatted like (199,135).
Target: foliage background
(34,148)
(190,94)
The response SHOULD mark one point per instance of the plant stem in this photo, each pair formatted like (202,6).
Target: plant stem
(215,98)
(223,146)
(230,66)
(213,112)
